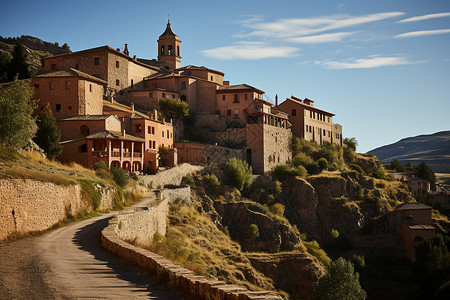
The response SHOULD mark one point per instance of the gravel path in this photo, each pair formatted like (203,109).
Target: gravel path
(68,263)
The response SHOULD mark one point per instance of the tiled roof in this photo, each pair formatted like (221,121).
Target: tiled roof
(191,67)
(123,108)
(309,107)
(114,135)
(412,205)
(422,227)
(239,87)
(71,73)
(87,117)
(168,31)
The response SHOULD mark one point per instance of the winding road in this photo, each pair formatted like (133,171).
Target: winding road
(68,263)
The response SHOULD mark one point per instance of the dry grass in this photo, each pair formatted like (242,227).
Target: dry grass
(193,241)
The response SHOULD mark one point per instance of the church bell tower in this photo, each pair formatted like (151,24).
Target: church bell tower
(169,48)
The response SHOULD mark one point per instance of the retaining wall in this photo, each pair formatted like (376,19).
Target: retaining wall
(170,176)
(168,273)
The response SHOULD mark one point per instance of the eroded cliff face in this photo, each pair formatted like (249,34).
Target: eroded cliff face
(272,236)
(323,203)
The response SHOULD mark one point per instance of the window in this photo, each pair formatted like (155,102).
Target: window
(150,144)
(76,66)
(310,114)
(236,98)
(324,133)
(53,66)
(294,112)
(132,84)
(50,85)
(229,112)
(169,50)
(245,96)
(162,50)
(223,97)
(82,148)
(212,78)
(138,128)
(167,133)
(236,113)
(171,135)
(96,61)
(117,64)
(117,82)
(36,86)
(183,98)
(150,95)
(154,144)
(183,85)
(70,107)
(90,88)
(153,130)
(178,50)
(164,95)
(58,107)
(67,85)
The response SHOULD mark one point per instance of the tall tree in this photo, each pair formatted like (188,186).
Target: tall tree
(424,171)
(48,134)
(17,126)
(18,65)
(4,62)
(340,282)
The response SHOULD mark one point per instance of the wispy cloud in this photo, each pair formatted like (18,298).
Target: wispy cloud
(320,38)
(422,33)
(425,17)
(366,63)
(251,51)
(287,28)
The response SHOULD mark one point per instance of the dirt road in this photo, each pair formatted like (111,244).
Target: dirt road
(68,263)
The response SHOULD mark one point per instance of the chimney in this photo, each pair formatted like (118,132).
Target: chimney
(118,49)
(163,120)
(226,83)
(132,106)
(124,132)
(276,100)
(155,114)
(125,50)
(134,57)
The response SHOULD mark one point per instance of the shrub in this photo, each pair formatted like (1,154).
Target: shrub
(281,172)
(211,182)
(90,193)
(313,168)
(252,232)
(134,176)
(334,234)
(118,199)
(357,168)
(340,282)
(301,159)
(314,249)
(322,163)
(104,173)
(99,165)
(349,155)
(238,173)
(396,166)
(188,179)
(380,173)
(277,209)
(358,261)
(120,176)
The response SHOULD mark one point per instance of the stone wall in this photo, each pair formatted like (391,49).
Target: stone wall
(171,176)
(176,194)
(192,285)
(29,205)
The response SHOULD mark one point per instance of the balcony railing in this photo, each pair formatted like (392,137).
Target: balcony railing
(115,154)
(99,153)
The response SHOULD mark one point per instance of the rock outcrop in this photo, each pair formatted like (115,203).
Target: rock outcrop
(295,273)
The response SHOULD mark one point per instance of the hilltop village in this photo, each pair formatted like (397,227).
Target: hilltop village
(106,101)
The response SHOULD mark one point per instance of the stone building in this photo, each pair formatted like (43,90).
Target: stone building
(311,123)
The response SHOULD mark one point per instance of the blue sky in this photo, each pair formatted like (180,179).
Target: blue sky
(383,67)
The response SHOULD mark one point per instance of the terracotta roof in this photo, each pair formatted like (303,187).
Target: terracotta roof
(114,135)
(87,117)
(421,227)
(191,67)
(309,107)
(168,31)
(71,73)
(412,205)
(107,48)
(123,108)
(237,87)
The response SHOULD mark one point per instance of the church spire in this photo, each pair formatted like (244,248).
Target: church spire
(169,48)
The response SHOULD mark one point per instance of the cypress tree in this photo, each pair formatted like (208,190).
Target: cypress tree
(48,134)
(18,65)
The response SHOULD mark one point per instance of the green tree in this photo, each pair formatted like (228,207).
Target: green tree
(238,173)
(48,134)
(340,282)
(174,109)
(351,143)
(431,271)
(18,65)
(4,62)
(65,46)
(17,126)
(398,167)
(424,171)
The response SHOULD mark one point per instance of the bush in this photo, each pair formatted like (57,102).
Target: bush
(349,155)
(313,168)
(238,173)
(104,173)
(340,282)
(277,209)
(301,159)
(120,176)
(314,249)
(252,232)
(380,173)
(281,172)
(322,163)
(334,234)
(99,165)
(90,193)
(357,168)
(358,261)
(211,182)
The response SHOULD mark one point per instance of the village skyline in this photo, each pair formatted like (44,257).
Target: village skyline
(381,68)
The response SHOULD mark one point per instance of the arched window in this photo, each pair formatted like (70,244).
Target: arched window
(183,98)
(162,50)
(84,130)
(183,85)
(169,50)
(178,50)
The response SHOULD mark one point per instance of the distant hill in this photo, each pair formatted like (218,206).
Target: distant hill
(36,48)
(434,149)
